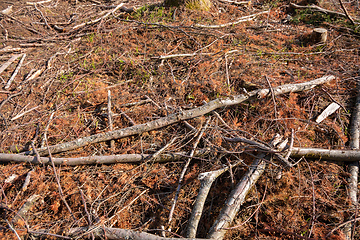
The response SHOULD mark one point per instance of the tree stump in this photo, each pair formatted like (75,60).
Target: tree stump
(319,35)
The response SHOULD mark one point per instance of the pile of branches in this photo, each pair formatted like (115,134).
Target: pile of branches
(279,151)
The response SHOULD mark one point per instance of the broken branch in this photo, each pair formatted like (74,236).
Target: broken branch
(181,116)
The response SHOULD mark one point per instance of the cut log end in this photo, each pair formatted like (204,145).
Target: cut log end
(319,35)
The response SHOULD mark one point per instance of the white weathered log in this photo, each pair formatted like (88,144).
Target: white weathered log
(237,196)
(8,84)
(327,112)
(112,159)
(8,62)
(206,181)
(354,166)
(181,116)
(326,154)
(118,233)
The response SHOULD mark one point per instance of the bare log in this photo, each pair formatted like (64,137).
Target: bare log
(326,154)
(25,208)
(319,9)
(112,159)
(354,166)
(7,86)
(117,233)
(206,181)
(181,116)
(237,196)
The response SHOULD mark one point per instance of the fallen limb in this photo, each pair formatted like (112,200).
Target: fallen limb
(98,19)
(112,159)
(326,154)
(8,84)
(319,9)
(240,20)
(206,181)
(354,166)
(117,233)
(237,196)
(263,147)
(200,134)
(8,63)
(181,116)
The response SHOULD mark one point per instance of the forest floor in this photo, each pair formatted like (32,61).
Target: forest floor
(60,94)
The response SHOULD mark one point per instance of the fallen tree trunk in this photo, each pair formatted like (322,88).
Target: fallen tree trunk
(238,194)
(354,166)
(326,154)
(124,158)
(118,233)
(180,116)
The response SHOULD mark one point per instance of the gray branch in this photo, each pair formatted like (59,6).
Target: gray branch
(181,116)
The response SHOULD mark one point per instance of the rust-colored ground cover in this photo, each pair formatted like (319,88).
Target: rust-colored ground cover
(123,53)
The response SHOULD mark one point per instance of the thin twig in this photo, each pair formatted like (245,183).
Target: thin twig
(98,19)
(155,155)
(272,95)
(58,182)
(12,229)
(347,13)
(22,114)
(112,142)
(185,169)
(341,225)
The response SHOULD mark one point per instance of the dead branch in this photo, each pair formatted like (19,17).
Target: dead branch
(110,115)
(263,147)
(181,116)
(200,134)
(240,20)
(346,13)
(12,229)
(8,62)
(7,86)
(23,113)
(25,208)
(236,2)
(316,8)
(326,154)
(41,2)
(237,196)
(117,233)
(354,166)
(98,19)
(10,49)
(181,55)
(112,159)
(206,181)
